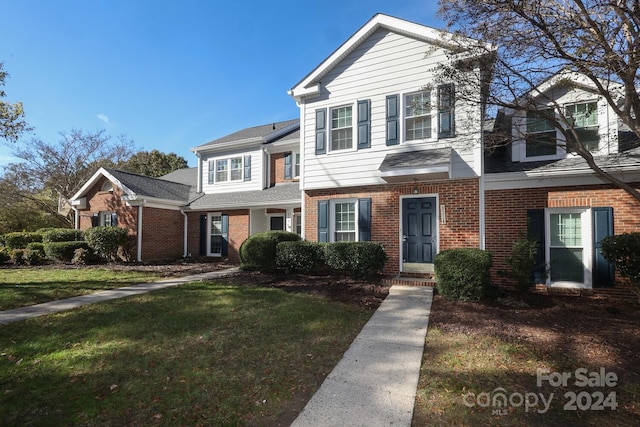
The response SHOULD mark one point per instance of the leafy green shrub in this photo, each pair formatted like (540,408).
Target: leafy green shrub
(61,235)
(63,251)
(32,257)
(522,261)
(84,256)
(463,274)
(106,241)
(624,251)
(258,252)
(17,256)
(360,259)
(4,255)
(37,246)
(299,257)
(20,239)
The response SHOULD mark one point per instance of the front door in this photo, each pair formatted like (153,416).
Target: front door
(419,232)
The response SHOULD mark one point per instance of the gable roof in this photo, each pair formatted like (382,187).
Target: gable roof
(309,84)
(139,186)
(187,176)
(264,134)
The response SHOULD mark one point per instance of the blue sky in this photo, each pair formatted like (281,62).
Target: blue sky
(171,75)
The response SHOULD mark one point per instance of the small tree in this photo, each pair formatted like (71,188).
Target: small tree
(522,261)
(624,251)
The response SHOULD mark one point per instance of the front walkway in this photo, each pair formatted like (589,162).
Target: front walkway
(376,381)
(23,313)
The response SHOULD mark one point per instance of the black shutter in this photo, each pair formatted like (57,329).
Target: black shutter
(446,116)
(392,120)
(225,234)
(247,168)
(287,166)
(95,220)
(323,221)
(603,272)
(321,131)
(203,235)
(535,230)
(364,124)
(364,220)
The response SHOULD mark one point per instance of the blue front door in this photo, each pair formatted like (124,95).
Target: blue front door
(419,230)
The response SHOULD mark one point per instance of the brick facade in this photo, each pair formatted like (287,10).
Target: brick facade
(460,198)
(506,219)
(162,234)
(238,232)
(277,169)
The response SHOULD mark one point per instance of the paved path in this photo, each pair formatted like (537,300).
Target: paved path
(375,383)
(18,314)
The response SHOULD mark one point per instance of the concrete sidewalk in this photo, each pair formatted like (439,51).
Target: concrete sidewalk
(18,314)
(375,383)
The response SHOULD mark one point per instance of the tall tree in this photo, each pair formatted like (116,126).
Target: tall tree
(12,123)
(153,163)
(536,39)
(60,169)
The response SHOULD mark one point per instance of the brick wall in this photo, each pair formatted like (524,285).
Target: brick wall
(460,198)
(162,234)
(238,232)
(277,169)
(506,218)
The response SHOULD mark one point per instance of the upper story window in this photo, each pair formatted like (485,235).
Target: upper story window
(541,135)
(417,118)
(584,120)
(341,128)
(226,170)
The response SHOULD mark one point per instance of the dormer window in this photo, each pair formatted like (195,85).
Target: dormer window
(541,134)
(584,120)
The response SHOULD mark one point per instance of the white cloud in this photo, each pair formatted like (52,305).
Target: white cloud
(104,118)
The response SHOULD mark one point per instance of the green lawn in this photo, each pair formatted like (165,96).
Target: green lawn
(25,286)
(197,354)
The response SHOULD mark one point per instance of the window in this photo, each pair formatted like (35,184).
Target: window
(446,116)
(565,247)
(341,128)
(107,186)
(297,220)
(584,120)
(345,221)
(541,134)
(108,219)
(276,222)
(216,238)
(296,165)
(417,116)
(227,170)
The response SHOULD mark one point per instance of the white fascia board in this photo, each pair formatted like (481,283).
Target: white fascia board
(442,168)
(309,85)
(283,131)
(223,146)
(94,178)
(151,202)
(283,203)
(520,180)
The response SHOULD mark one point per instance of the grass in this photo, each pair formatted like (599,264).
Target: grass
(460,367)
(197,354)
(24,287)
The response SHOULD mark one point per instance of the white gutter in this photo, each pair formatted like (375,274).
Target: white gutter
(185,252)
(76,218)
(139,249)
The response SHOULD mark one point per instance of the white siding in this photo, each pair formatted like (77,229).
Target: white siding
(257,171)
(385,64)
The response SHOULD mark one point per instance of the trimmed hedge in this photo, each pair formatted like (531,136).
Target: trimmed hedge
(20,239)
(37,246)
(360,259)
(258,252)
(63,251)
(61,235)
(463,274)
(106,241)
(4,255)
(299,257)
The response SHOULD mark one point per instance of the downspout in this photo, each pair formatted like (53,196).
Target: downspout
(139,249)
(185,252)
(76,218)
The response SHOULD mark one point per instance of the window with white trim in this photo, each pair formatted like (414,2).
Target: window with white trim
(226,170)
(342,128)
(568,242)
(541,137)
(108,219)
(215,235)
(417,116)
(583,118)
(344,218)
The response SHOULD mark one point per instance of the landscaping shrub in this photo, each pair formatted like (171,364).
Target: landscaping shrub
(463,274)
(32,257)
(522,261)
(61,235)
(106,241)
(63,251)
(17,256)
(360,259)
(84,256)
(20,239)
(258,252)
(624,251)
(299,257)
(4,255)
(37,246)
